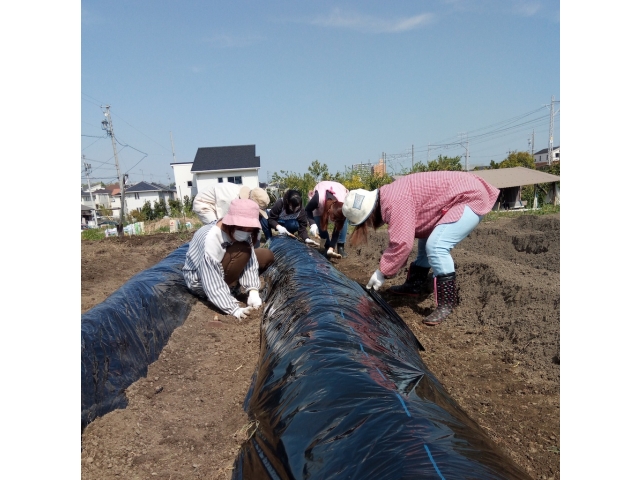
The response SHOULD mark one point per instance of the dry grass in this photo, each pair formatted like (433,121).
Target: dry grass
(162,225)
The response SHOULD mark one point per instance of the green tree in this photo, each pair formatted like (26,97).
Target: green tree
(442,163)
(319,171)
(188,204)
(175,208)
(518,159)
(104,211)
(147,211)
(160,208)
(295,181)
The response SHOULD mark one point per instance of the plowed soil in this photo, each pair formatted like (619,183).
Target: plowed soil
(498,355)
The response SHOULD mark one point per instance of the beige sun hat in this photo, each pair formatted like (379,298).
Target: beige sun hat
(358,205)
(261,197)
(258,195)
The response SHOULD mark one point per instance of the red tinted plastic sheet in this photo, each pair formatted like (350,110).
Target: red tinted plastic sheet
(124,334)
(341,391)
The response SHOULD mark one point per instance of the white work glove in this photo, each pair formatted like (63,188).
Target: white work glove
(308,241)
(241,313)
(314,230)
(254,299)
(331,253)
(376,280)
(281,230)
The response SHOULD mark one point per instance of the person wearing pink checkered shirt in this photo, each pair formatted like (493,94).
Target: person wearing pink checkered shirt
(438,208)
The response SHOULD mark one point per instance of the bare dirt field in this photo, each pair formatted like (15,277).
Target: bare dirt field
(498,355)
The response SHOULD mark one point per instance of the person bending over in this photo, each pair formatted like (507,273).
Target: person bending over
(288,217)
(222,255)
(440,208)
(325,203)
(213,203)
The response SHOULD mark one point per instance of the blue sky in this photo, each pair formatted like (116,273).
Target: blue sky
(338,82)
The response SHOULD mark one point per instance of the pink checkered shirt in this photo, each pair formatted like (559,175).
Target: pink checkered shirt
(415,204)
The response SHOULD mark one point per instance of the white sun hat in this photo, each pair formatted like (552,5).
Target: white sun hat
(358,205)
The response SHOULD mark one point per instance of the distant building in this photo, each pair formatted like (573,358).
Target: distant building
(541,157)
(138,194)
(212,165)
(380,169)
(362,168)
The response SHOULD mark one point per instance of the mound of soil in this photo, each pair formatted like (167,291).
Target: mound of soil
(498,355)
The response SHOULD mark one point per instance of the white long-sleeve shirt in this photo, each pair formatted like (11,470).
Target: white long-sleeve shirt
(203,270)
(214,203)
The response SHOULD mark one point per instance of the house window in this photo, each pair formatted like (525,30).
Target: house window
(189,183)
(237,180)
(136,196)
(219,179)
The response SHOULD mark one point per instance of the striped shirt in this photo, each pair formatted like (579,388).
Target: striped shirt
(415,204)
(203,270)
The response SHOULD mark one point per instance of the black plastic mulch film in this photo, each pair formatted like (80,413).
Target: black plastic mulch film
(124,334)
(340,390)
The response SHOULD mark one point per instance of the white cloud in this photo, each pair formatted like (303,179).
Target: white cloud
(370,24)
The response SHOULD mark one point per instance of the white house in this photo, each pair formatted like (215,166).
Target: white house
(185,180)
(137,194)
(212,165)
(87,200)
(542,156)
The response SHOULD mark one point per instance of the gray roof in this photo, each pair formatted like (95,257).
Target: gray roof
(85,208)
(225,158)
(545,150)
(515,177)
(148,187)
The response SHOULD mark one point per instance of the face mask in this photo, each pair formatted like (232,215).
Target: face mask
(241,236)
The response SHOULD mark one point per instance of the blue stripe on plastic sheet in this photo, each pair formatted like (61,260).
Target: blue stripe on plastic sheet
(340,390)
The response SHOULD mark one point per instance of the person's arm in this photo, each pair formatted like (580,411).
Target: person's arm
(303,224)
(274,214)
(311,206)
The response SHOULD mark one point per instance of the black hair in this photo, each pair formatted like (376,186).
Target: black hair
(292,200)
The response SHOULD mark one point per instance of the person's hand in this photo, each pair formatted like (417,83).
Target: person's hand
(331,253)
(254,299)
(241,313)
(308,241)
(314,230)
(376,280)
(281,230)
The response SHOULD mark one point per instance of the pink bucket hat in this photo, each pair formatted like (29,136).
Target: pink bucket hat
(243,213)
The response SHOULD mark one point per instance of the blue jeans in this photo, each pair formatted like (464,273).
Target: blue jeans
(434,251)
(324,234)
(291,225)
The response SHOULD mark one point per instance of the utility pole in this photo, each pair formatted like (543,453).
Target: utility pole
(107,125)
(466,155)
(550,132)
(87,170)
(466,158)
(530,140)
(173,149)
(411,157)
